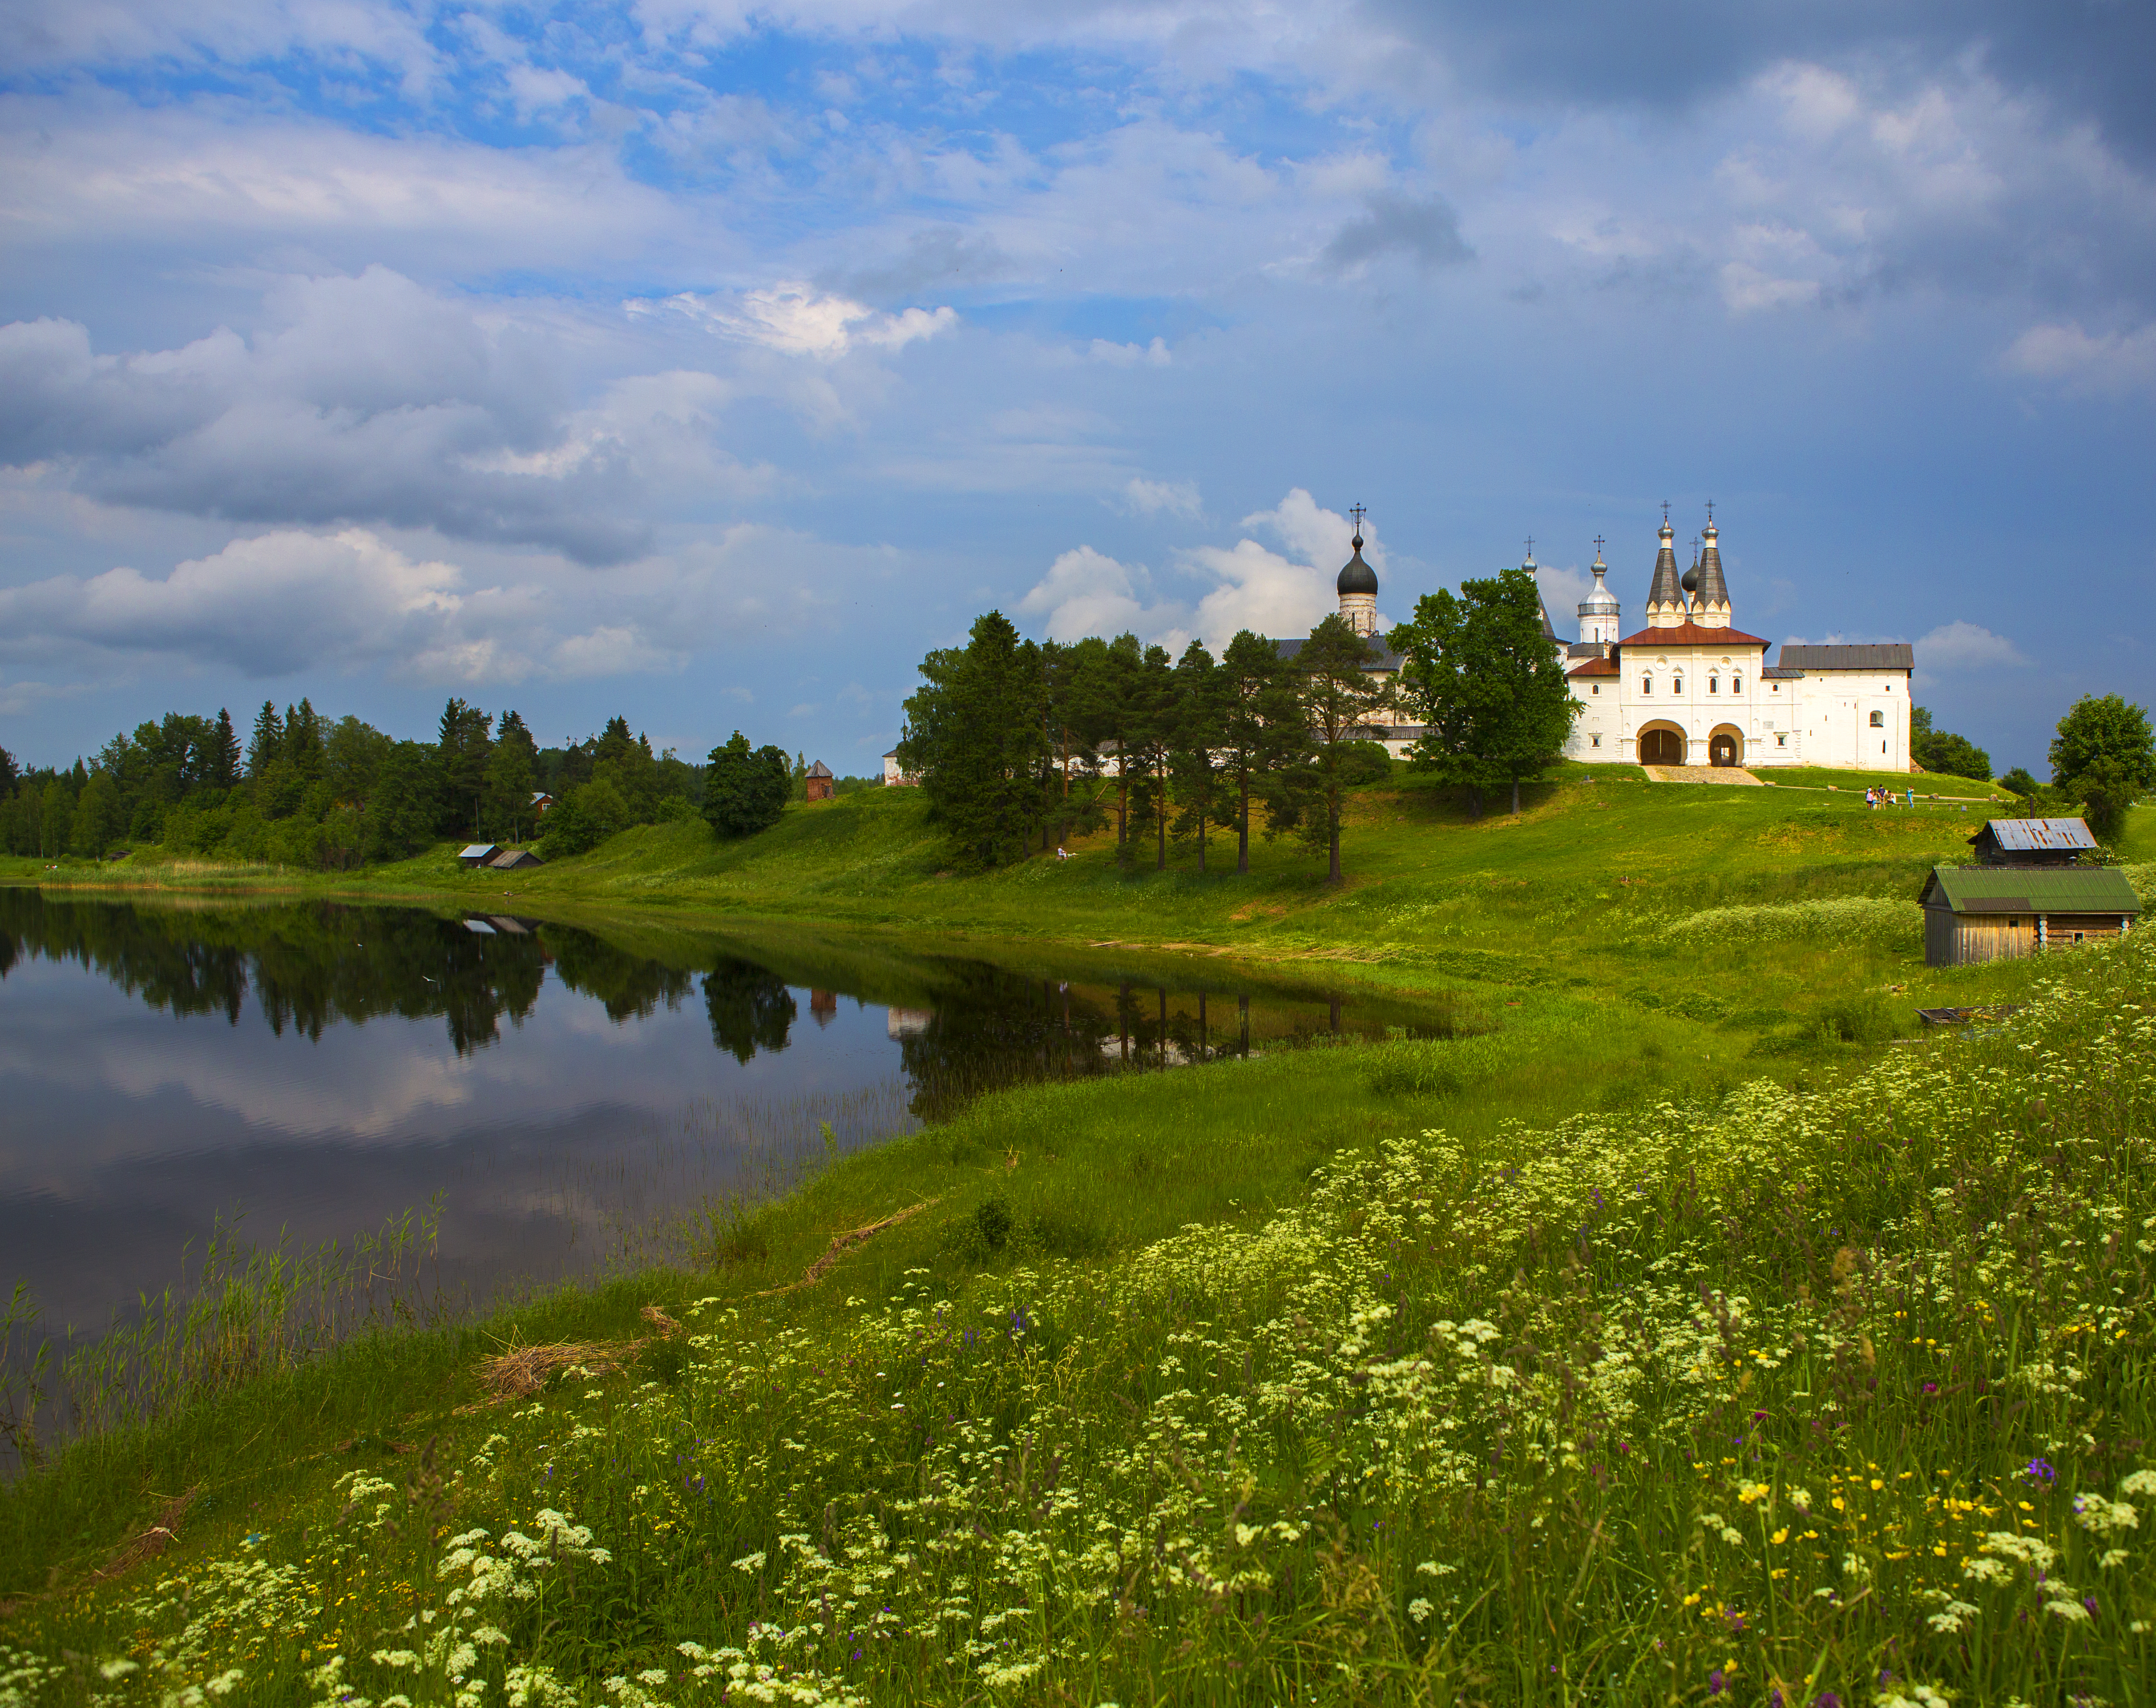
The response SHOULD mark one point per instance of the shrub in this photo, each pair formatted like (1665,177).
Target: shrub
(1868,921)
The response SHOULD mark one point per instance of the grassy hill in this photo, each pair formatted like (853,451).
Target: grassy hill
(1673,1331)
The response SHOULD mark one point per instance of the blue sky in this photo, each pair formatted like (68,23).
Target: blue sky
(710,362)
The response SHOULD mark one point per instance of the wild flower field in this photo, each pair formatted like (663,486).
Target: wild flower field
(1825,1398)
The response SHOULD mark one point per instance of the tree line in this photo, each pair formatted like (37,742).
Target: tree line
(306,791)
(1020,743)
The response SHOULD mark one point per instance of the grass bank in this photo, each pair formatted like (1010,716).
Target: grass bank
(1395,1373)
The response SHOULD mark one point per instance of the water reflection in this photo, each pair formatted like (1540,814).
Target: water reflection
(325,1066)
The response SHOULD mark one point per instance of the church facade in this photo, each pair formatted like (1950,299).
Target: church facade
(1690,688)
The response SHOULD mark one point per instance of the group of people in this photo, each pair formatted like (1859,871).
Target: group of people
(1885,798)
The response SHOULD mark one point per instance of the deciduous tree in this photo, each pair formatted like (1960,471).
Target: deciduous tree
(1486,683)
(2105,754)
(745,790)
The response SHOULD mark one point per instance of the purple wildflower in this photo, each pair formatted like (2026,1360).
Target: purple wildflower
(1715,1683)
(2041,1470)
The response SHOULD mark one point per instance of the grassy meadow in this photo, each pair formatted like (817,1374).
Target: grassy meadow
(1684,1328)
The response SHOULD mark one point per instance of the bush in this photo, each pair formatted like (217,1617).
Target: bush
(1869,921)
(1364,761)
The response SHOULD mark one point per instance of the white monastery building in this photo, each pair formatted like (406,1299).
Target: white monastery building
(1691,688)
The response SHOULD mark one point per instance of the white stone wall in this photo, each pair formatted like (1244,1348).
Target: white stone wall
(1856,720)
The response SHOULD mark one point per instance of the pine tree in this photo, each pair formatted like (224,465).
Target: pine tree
(1195,757)
(977,736)
(1251,675)
(1335,694)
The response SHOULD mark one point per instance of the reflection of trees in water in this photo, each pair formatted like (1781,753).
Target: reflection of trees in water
(308,967)
(991,1029)
(750,1006)
(630,986)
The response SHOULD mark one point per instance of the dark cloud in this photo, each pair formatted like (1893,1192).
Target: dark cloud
(2083,60)
(1423,228)
(374,401)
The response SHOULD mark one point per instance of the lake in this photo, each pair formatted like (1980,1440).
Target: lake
(562,1096)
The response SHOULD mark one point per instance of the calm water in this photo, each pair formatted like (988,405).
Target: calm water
(319,1069)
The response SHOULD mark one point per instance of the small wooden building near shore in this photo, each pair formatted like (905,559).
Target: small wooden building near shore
(2033,842)
(478,853)
(2002,913)
(515,859)
(819,782)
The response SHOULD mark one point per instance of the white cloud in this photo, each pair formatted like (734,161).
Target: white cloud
(1151,498)
(1087,592)
(1156,354)
(1321,538)
(1956,647)
(797,320)
(2105,362)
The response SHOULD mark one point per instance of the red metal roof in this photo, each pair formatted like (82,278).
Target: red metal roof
(1595,667)
(1692,634)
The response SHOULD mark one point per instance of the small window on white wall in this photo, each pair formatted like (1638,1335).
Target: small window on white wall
(1676,684)
(1714,684)
(1878,720)
(1594,740)
(1597,689)
(1781,740)
(1646,684)
(1736,685)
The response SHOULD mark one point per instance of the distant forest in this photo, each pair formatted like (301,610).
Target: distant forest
(304,790)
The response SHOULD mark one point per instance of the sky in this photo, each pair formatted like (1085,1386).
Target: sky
(708,363)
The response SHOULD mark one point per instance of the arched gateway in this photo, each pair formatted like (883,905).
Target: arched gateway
(1661,747)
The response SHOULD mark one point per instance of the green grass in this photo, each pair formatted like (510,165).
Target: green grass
(1678,1138)
(1924,782)
(1449,1364)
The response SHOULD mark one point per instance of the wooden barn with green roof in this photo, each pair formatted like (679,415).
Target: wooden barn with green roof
(1999,913)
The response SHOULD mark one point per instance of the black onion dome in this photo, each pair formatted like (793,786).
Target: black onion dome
(1689,581)
(1357,577)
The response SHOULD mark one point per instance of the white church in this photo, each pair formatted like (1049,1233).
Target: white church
(1690,688)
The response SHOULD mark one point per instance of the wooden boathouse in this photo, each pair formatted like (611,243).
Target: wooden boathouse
(2001,913)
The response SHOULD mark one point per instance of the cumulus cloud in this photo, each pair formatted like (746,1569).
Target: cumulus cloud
(1425,229)
(1956,647)
(265,606)
(1087,592)
(797,320)
(1247,585)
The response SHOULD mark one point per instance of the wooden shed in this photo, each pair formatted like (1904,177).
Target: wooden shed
(515,859)
(2000,913)
(478,853)
(819,782)
(2033,842)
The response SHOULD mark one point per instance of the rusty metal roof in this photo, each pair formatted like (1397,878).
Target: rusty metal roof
(2038,835)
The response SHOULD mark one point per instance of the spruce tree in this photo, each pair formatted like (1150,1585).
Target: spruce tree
(267,740)
(224,752)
